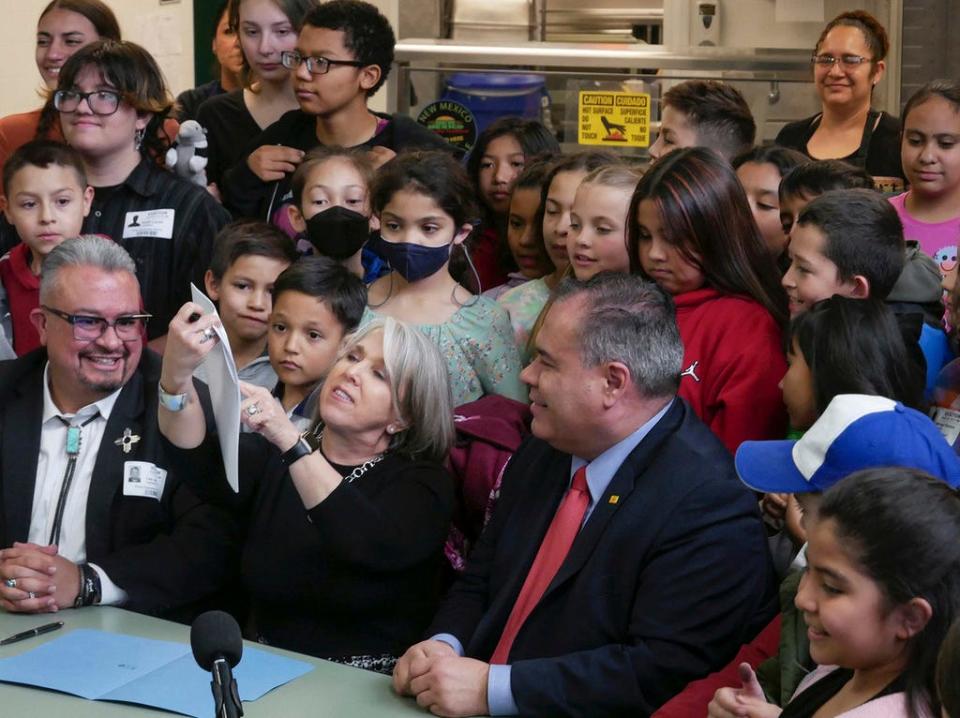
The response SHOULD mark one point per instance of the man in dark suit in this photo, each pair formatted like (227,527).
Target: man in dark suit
(88,512)
(665,569)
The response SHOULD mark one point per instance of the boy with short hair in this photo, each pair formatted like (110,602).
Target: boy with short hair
(316,303)
(704,113)
(862,235)
(46,197)
(813,179)
(343,56)
(846,242)
(248,256)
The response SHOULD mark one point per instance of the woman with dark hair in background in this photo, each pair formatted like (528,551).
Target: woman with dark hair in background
(848,62)
(691,231)
(64,27)
(228,67)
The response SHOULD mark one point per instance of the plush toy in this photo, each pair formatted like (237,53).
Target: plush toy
(187,156)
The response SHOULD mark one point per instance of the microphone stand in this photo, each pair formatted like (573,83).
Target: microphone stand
(225,695)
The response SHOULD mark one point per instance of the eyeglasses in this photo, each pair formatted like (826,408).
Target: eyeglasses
(129,327)
(315,65)
(849,62)
(100,102)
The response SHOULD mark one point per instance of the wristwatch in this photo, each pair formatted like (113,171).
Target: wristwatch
(306,444)
(171,402)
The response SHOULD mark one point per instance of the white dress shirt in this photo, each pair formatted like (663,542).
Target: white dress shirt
(51,466)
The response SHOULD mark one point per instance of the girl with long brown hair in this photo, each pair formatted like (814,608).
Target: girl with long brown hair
(691,231)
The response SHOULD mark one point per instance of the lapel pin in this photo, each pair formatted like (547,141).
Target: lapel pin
(614,498)
(127,441)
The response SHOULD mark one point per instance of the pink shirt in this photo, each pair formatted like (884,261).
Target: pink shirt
(939,240)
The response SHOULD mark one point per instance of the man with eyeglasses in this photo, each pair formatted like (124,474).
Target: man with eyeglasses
(88,512)
(343,55)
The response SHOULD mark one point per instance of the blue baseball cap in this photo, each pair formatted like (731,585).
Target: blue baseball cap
(855,432)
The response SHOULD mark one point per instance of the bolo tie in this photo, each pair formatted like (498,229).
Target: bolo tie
(73,451)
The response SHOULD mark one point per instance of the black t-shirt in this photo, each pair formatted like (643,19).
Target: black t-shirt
(246,195)
(879,151)
(230,129)
(189,101)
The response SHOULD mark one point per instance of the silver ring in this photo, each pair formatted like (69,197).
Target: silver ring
(31,594)
(10,583)
(253,409)
(207,334)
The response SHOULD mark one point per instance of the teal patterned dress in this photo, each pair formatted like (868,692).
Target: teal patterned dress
(524,304)
(477,342)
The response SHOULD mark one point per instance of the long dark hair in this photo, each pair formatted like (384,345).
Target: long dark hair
(704,213)
(532,136)
(783,158)
(902,527)
(854,346)
(948,670)
(136,76)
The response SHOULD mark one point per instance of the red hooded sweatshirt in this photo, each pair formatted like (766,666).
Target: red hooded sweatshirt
(732,366)
(23,296)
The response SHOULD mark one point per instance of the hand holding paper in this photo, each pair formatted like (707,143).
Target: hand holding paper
(224,388)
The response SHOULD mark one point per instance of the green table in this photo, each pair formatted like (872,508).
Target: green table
(328,690)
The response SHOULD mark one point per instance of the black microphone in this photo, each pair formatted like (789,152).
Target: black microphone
(217,646)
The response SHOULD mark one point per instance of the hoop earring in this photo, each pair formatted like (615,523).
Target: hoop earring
(138,136)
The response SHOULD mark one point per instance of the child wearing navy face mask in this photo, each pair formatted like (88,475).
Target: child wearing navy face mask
(331,208)
(424,204)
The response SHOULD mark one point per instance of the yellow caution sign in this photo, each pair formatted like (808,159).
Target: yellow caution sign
(614,118)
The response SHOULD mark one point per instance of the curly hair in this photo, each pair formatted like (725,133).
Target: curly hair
(366,32)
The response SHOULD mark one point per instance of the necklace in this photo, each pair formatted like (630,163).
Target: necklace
(363,468)
(359,470)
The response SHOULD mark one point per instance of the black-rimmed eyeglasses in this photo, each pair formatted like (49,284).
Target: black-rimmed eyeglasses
(315,65)
(87,328)
(100,102)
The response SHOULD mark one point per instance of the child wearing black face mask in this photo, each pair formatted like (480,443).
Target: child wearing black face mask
(331,208)
(424,205)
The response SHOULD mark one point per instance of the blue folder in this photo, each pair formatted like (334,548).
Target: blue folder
(112,667)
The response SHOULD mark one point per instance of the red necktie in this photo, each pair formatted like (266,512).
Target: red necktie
(556,544)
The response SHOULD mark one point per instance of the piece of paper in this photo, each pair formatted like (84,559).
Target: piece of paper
(799,11)
(224,385)
(162,674)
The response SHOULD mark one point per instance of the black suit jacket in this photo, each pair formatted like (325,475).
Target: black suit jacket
(165,554)
(667,578)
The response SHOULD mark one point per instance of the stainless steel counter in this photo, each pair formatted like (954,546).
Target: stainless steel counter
(788,65)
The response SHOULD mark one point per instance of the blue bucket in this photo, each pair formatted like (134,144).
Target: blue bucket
(495,95)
